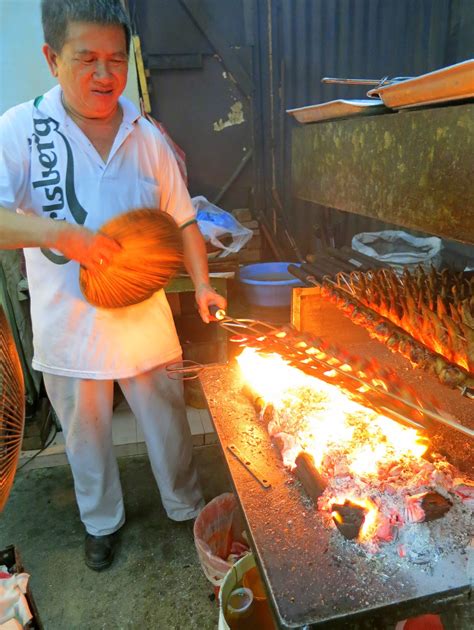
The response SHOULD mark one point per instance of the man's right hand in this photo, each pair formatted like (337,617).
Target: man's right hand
(91,249)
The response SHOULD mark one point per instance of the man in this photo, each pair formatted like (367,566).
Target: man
(69,161)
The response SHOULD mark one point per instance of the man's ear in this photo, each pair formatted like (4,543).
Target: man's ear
(52,59)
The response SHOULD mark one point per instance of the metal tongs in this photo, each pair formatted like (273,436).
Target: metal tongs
(380,388)
(189,370)
(378,83)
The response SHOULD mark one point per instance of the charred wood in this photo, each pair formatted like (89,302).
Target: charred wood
(348,518)
(279,443)
(265,410)
(307,473)
(434,506)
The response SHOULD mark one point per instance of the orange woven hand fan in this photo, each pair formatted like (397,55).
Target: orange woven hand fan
(152,253)
(12,409)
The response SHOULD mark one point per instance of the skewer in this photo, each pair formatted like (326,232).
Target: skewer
(257,329)
(342,276)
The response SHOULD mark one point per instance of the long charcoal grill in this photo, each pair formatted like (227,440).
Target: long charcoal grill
(314,577)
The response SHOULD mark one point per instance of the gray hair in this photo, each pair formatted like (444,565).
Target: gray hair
(56,15)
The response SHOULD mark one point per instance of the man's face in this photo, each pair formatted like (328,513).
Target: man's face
(91,67)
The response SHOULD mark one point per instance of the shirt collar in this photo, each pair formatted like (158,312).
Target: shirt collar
(51,105)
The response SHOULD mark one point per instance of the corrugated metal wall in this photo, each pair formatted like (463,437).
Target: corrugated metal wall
(310,39)
(198,53)
(268,56)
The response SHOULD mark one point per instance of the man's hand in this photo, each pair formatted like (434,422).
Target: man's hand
(195,260)
(91,249)
(205,296)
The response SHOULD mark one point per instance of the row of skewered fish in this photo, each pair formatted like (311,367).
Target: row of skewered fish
(426,316)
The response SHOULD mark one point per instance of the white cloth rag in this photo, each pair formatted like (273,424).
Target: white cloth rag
(13,603)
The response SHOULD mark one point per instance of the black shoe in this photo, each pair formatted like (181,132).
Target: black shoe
(100,551)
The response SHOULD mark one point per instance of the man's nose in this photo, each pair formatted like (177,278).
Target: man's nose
(102,70)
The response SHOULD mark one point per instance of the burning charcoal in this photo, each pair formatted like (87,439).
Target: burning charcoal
(465,491)
(435,506)
(279,444)
(385,530)
(341,469)
(413,512)
(264,409)
(309,476)
(358,316)
(348,518)
(427,506)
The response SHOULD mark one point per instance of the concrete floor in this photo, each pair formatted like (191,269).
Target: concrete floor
(156,581)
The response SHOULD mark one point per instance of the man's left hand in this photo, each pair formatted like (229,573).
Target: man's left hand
(205,297)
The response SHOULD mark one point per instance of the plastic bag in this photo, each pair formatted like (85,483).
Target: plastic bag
(216,224)
(399,249)
(217,529)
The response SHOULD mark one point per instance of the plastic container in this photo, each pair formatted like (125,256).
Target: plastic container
(267,284)
(240,609)
(261,617)
(252,581)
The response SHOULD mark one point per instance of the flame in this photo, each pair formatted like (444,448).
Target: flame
(370,520)
(324,422)
(371,513)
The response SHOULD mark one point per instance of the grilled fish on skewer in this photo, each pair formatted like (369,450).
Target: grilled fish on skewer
(436,335)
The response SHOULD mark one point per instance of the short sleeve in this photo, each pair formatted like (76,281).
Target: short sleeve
(14,161)
(174,196)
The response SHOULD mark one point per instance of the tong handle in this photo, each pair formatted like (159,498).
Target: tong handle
(217,313)
(351,81)
(377,82)
(185,370)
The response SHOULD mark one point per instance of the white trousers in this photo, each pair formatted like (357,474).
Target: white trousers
(84,409)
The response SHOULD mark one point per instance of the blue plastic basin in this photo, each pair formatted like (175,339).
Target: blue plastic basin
(268,284)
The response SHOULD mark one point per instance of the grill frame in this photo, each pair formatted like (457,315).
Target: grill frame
(311,573)
(303,563)
(300,560)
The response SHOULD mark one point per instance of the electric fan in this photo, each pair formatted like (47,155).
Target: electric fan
(12,409)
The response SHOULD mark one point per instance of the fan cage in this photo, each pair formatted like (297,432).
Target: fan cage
(12,409)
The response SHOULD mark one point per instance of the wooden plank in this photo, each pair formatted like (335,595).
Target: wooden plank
(312,313)
(181,284)
(141,73)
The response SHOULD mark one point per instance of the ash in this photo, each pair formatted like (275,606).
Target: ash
(363,457)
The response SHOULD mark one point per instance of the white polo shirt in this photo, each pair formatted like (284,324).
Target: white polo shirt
(49,167)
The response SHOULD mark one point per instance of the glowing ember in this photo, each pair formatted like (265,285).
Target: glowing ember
(363,457)
(331,417)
